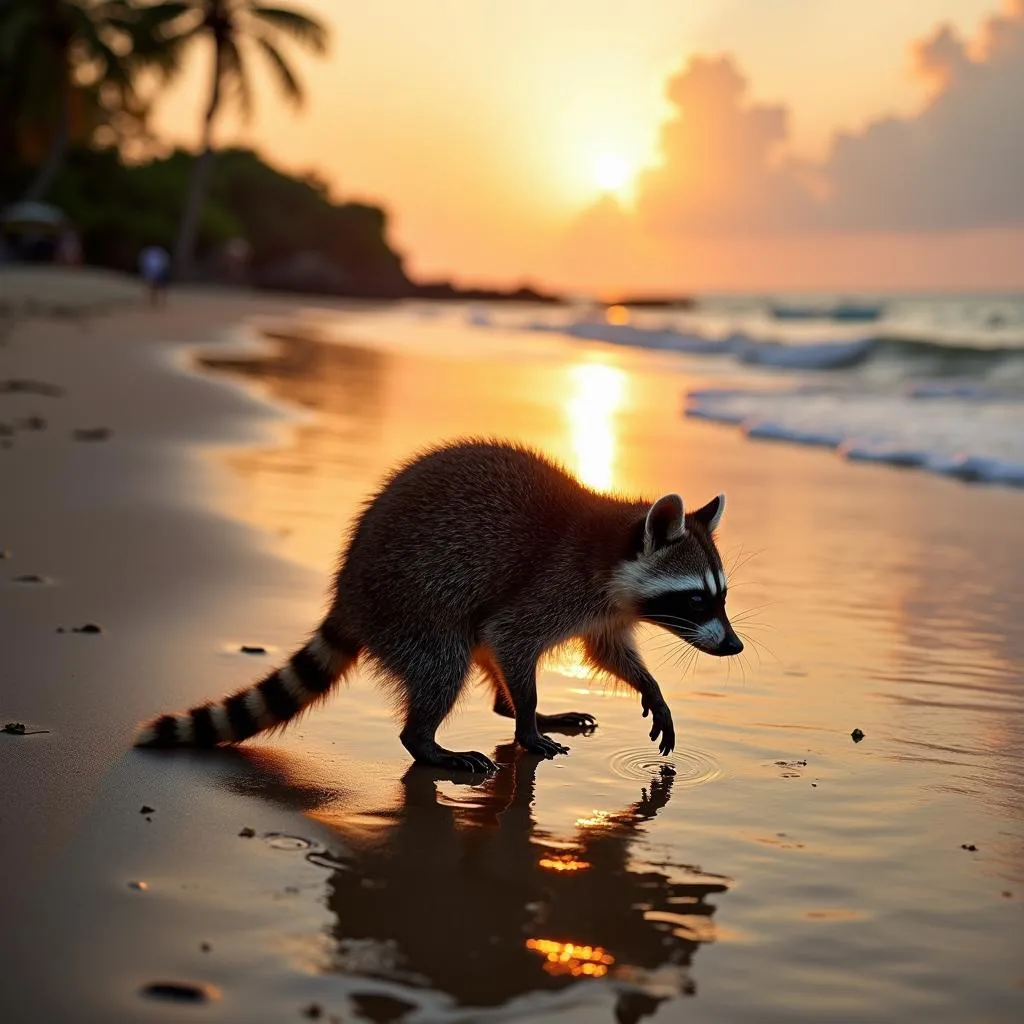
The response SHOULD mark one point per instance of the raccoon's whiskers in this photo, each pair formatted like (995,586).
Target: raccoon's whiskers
(757,646)
(741,558)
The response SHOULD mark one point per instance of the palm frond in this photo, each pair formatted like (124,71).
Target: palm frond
(235,75)
(285,76)
(305,30)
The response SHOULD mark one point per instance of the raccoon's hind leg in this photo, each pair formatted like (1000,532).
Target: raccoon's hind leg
(568,722)
(430,684)
(517,669)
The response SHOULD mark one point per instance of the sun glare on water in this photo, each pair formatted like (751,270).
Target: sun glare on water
(596,393)
(611,172)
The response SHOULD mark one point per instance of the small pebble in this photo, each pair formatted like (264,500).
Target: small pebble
(29,577)
(857,735)
(205,947)
(89,627)
(15,728)
(146,809)
(247,833)
(968,846)
(252,649)
(138,886)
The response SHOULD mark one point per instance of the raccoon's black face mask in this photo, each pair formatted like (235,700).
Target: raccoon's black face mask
(677,577)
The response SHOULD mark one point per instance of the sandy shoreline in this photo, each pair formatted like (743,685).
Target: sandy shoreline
(178,556)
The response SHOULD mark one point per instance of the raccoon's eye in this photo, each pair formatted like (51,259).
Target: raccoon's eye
(697,602)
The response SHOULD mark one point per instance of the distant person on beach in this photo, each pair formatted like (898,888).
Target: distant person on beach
(155,268)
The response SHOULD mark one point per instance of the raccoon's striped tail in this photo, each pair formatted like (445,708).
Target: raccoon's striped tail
(306,678)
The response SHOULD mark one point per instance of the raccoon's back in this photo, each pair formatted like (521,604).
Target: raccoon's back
(461,526)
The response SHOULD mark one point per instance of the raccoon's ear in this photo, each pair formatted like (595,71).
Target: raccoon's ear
(710,515)
(665,522)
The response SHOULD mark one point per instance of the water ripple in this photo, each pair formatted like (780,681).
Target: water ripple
(684,767)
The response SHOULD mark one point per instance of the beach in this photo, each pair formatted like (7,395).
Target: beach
(776,870)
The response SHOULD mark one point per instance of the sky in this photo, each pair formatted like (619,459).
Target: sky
(664,145)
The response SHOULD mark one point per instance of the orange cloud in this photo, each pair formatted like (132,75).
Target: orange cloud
(958,164)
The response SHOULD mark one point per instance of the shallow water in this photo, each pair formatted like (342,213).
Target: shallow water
(776,870)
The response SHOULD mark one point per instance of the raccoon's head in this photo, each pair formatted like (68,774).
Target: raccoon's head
(676,579)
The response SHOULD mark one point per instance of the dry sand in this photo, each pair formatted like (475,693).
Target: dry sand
(832,883)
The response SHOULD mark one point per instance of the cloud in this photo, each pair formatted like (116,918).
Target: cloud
(719,168)
(960,162)
(956,164)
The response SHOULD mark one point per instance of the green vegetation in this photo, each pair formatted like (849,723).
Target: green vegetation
(233,28)
(77,80)
(72,94)
(68,70)
(299,239)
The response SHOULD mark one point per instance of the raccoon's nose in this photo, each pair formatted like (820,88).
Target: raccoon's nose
(732,644)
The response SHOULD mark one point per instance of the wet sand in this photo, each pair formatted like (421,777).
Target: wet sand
(779,871)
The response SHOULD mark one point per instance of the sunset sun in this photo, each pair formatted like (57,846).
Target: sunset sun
(611,172)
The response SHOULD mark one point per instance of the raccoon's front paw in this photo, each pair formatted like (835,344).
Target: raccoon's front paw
(539,744)
(662,724)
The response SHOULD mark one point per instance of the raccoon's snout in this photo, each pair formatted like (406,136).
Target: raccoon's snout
(716,638)
(731,645)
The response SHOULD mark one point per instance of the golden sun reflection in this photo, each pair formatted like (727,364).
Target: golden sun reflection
(569,958)
(597,394)
(599,819)
(563,862)
(617,315)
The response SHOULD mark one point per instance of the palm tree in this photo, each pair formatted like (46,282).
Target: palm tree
(65,66)
(233,27)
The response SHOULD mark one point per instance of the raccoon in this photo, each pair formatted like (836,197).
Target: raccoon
(486,553)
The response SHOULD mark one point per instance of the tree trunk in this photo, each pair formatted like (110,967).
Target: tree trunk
(188,231)
(54,158)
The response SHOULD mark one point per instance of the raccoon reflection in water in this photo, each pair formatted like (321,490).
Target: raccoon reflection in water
(487,553)
(457,890)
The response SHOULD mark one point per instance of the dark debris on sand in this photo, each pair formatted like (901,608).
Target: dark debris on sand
(857,735)
(178,992)
(89,627)
(969,846)
(146,809)
(252,649)
(20,729)
(247,833)
(91,433)
(30,387)
(30,577)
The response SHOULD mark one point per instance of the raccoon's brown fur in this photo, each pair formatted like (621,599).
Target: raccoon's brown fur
(488,553)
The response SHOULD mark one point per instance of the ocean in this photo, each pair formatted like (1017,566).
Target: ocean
(928,382)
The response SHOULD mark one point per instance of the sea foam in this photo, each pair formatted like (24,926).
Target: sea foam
(948,433)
